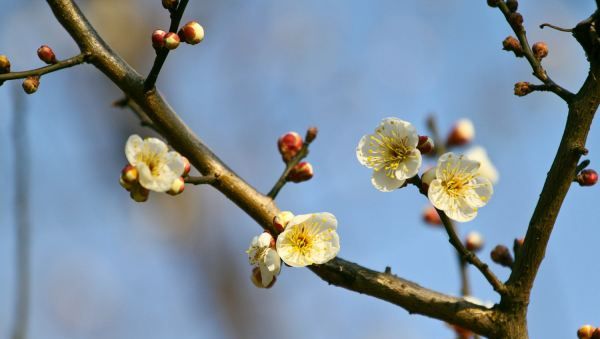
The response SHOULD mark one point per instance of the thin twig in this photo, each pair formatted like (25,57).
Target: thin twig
(207,179)
(76,60)
(22,222)
(538,71)
(568,30)
(161,54)
(288,168)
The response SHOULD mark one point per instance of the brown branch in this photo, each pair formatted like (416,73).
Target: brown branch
(538,70)
(567,30)
(261,208)
(161,54)
(203,180)
(73,61)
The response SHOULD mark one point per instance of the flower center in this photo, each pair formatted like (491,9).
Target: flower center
(457,182)
(302,239)
(388,152)
(259,254)
(152,160)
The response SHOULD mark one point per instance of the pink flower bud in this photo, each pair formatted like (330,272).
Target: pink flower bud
(46,54)
(540,50)
(4,64)
(501,255)
(289,145)
(177,187)
(187,167)
(474,241)
(585,332)
(301,172)
(427,178)
(431,216)
(311,134)
(171,40)
(192,33)
(256,279)
(171,5)
(139,194)
(158,39)
(587,177)
(462,133)
(129,174)
(281,220)
(425,144)
(31,84)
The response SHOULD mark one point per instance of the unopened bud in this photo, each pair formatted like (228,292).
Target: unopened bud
(4,64)
(516,20)
(493,3)
(171,5)
(46,54)
(596,334)
(256,279)
(301,172)
(474,241)
(311,134)
(289,145)
(523,88)
(501,255)
(512,5)
(192,33)
(431,216)
(126,185)
(171,40)
(177,187)
(587,177)
(425,144)
(511,44)
(585,332)
(426,179)
(31,84)
(158,39)
(129,174)
(540,50)
(139,193)
(462,133)
(187,166)
(281,220)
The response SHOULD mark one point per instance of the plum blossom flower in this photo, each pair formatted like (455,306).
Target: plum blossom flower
(459,190)
(263,254)
(391,151)
(486,168)
(309,239)
(158,167)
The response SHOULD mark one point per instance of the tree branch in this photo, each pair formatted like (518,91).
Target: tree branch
(260,207)
(76,60)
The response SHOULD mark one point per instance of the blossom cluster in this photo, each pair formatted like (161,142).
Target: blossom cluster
(304,240)
(459,185)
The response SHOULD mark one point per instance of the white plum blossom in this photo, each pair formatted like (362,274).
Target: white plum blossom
(459,190)
(309,239)
(158,167)
(486,168)
(391,151)
(263,255)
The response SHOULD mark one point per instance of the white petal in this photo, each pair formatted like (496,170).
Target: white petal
(487,168)
(438,197)
(264,240)
(463,211)
(272,261)
(399,128)
(267,277)
(132,148)
(155,146)
(483,191)
(298,219)
(362,150)
(327,248)
(175,163)
(384,183)
(326,220)
(410,166)
(160,183)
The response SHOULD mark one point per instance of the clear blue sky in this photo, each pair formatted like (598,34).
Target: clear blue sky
(106,267)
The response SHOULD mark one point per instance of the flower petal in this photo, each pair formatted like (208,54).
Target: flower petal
(410,166)
(463,212)
(362,150)
(132,148)
(384,183)
(264,240)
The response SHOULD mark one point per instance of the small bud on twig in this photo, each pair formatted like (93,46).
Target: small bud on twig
(596,334)
(474,241)
(158,39)
(425,144)
(46,54)
(501,255)
(512,5)
(462,133)
(172,40)
(493,3)
(171,5)
(516,20)
(540,50)
(192,33)
(311,134)
(511,44)
(139,193)
(289,144)
(523,88)
(301,172)
(31,84)
(431,216)
(129,174)
(187,167)
(281,220)
(585,332)
(177,187)
(4,64)
(587,177)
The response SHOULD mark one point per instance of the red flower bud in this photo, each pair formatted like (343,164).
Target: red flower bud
(512,44)
(311,134)
(301,172)
(158,39)
(431,216)
(585,332)
(425,144)
(512,5)
(540,50)
(129,174)
(46,54)
(31,84)
(192,33)
(462,133)
(516,20)
(188,166)
(501,255)
(171,5)
(171,40)
(523,88)
(289,145)
(587,177)
(474,241)
(177,187)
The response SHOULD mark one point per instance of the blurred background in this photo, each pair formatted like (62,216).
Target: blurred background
(104,266)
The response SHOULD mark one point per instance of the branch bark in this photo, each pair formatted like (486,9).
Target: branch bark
(261,208)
